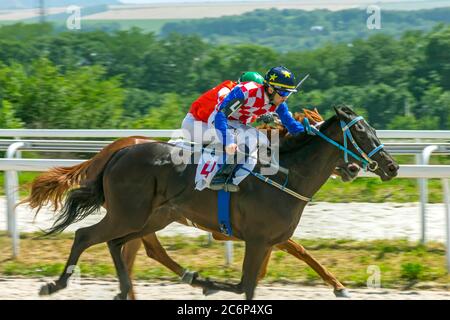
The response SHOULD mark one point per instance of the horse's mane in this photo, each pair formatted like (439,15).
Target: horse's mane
(289,142)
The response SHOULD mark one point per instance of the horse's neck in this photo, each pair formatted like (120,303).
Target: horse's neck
(313,164)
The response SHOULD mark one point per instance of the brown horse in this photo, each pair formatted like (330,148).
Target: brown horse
(143,191)
(154,249)
(51,187)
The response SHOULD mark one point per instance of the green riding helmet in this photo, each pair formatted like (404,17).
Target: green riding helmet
(251,76)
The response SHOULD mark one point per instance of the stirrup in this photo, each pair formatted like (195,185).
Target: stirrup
(229,187)
(217,186)
(223,183)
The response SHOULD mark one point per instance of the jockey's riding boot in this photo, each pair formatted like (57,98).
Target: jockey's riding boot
(223,179)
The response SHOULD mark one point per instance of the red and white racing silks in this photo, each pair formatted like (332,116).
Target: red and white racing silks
(256,103)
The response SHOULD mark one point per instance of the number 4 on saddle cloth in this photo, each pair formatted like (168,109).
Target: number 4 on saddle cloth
(206,170)
(209,169)
(225,176)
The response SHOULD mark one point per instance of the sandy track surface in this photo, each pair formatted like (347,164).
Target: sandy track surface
(24,288)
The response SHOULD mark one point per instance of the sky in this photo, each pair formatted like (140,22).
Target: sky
(307,1)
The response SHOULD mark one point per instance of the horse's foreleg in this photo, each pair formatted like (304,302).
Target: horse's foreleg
(255,254)
(210,286)
(301,253)
(156,251)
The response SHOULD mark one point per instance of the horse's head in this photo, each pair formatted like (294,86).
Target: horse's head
(378,160)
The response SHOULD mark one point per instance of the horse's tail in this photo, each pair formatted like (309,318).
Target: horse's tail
(79,204)
(51,187)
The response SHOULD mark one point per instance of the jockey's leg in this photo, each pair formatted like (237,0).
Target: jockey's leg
(194,130)
(253,140)
(223,179)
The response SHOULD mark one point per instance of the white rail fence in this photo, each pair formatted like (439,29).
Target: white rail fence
(438,142)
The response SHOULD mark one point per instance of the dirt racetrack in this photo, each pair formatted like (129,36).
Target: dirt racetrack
(94,289)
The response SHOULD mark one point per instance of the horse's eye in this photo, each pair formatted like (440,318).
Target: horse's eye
(359,127)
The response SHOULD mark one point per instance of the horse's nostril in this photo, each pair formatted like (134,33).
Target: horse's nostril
(392,167)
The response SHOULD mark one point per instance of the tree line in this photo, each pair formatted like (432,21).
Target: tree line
(133,79)
(291,29)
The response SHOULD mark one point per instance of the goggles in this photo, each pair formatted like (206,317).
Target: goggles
(282,93)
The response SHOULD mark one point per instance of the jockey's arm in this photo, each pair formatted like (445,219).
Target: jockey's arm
(233,101)
(293,126)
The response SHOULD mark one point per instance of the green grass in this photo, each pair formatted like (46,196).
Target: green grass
(402,263)
(360,190)
(374,190)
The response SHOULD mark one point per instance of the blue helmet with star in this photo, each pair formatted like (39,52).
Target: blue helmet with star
(281,79)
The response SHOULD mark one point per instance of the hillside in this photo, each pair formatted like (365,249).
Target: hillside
(28,4)
(287,30)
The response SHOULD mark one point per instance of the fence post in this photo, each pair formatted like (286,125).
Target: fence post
(12,196)
(228,253)
(423,187)
(446,191)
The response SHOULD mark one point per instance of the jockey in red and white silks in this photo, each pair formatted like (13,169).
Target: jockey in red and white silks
(242,106)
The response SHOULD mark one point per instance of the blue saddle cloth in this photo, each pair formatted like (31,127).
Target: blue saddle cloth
(224,212)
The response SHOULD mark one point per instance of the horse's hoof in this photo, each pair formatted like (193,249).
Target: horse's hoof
(47,289)
(342,293)
(208,292)
(119,296)
(189,276)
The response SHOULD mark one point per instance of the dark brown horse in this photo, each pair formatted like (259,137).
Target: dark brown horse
(154,249)
(51,186)
(143,191)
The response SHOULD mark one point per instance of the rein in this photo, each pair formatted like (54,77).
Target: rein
(365,159)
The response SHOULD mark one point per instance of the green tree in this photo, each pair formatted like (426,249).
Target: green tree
(45,98)
(8,119)
(400,122)
(168,116)
(436,102)
(437,54)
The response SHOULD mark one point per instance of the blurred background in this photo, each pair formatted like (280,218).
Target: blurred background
(151,60)
(139,64)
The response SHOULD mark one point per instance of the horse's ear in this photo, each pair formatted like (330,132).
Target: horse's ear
(342,113)
(336,110)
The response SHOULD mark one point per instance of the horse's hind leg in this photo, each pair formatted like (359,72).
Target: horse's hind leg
(84,238)
(301,253)
(115,248)
(129,252)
